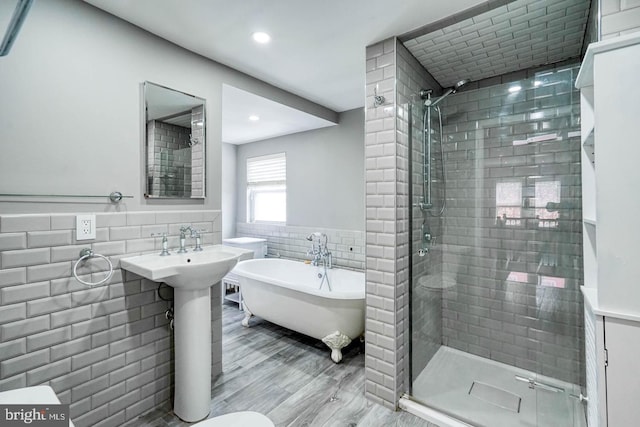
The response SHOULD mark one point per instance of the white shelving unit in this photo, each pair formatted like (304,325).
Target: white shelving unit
(610,114)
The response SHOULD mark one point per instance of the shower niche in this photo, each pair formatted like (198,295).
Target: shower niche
(174,140)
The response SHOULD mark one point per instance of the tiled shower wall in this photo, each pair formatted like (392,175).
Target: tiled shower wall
(346,246)
(511,283)
(106,350)
(552,341)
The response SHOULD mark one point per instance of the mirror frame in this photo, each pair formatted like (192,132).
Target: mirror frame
(197,138)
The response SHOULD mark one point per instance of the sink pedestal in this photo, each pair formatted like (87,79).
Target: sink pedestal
(192,332)
(191,275)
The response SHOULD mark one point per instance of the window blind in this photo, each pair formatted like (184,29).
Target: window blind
(267,170)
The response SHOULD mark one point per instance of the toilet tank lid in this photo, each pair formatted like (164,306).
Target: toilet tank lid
(29,395)
(243,240)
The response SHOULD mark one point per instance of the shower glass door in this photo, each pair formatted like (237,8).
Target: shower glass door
(496,310)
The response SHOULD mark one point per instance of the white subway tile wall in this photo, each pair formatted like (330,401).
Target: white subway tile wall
(346,246)
(105,350)
(384,313)
(620,17)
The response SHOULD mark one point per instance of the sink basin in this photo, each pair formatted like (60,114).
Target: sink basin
(193,270)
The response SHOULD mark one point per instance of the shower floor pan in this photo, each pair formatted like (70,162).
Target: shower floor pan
(485,393)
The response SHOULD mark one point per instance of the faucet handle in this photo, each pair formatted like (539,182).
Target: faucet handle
(165,243)
(195,233)
(183,237)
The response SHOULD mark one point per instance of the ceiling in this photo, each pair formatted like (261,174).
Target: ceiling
(274,119)
(516,36)
(317,49)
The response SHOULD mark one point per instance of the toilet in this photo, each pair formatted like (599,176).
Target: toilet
(43,395)
(237,419)
(37,395)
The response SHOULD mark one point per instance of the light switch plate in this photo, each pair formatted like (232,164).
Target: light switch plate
(85,227)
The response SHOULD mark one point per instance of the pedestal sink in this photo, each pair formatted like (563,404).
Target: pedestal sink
(191,275)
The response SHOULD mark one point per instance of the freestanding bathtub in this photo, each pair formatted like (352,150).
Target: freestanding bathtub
(289,294)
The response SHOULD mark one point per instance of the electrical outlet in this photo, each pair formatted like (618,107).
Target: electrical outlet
(85,227)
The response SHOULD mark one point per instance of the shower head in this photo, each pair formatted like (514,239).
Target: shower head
(433,102)
(316,234)
(460,84)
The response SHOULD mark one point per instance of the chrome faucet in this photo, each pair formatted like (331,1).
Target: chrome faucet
(183,238)
(195,233)
(320,252)
(165,243)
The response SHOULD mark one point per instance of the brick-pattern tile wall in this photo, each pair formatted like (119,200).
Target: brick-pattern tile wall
(620,17)
(105,350)
(499,300)
(346,246)
(503,40)
(381,334)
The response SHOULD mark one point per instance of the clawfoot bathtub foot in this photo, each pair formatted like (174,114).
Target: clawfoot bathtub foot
(336,342)
(247,316)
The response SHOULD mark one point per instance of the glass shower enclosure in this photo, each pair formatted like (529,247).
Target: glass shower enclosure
(496,258)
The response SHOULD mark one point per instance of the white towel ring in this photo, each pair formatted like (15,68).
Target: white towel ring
(86,254)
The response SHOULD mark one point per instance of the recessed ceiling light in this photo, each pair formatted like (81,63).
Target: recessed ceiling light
(261,37)
(514,89)
(537,83)
(254,118)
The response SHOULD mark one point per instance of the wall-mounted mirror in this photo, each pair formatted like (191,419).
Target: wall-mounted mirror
(175,143)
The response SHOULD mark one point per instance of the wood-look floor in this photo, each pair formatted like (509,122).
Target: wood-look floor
(290,378)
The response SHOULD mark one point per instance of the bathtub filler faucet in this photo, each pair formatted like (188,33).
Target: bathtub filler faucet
(320,252)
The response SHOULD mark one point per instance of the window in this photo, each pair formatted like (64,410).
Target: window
(509,203)
(267,188)
(547,203)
